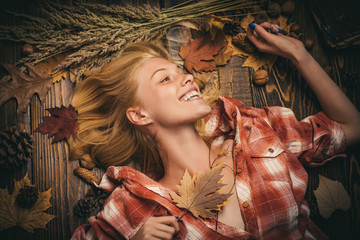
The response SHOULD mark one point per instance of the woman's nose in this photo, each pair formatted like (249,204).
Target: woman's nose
(187,78)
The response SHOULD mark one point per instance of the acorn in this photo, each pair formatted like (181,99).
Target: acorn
(260,18)
(309,43)
(261,77)
(87,162)
(288,7)
(295,28)
(27,49)
(274,9)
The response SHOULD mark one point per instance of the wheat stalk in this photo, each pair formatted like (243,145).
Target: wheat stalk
(95,33)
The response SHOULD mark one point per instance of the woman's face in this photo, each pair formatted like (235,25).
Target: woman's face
(170,97)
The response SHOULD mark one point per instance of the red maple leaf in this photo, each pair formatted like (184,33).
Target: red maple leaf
(197,55)
(62,123)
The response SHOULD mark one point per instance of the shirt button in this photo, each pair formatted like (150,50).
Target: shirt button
(245,204)
(238,170)
(233,114)
(271,150)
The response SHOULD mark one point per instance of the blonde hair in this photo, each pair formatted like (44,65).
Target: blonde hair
(102,100)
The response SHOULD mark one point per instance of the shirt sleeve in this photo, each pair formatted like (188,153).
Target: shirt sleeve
(314,140)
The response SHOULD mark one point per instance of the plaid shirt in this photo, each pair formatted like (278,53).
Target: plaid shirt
(268,147)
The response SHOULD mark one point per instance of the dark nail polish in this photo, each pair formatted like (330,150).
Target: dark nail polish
(253,21)
(251,25)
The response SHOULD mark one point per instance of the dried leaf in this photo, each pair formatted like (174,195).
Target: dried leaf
(330,196)
(29,219)
(24,86)
(215,27)
(246,20)
(62,123)
(200,194)
(236,51)
(49,66)
(257,61)
(197,55)
(224,55)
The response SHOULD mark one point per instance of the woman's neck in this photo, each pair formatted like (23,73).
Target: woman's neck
(180,150)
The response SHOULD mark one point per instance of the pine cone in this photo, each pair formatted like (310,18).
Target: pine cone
(232,29)
(27,197)
(241,41)
(99,197)
(86,175)
(84,207)
(15,147)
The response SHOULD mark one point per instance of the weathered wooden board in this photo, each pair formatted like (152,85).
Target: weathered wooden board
(52,168)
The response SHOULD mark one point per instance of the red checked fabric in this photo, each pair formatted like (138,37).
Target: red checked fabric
(269,148)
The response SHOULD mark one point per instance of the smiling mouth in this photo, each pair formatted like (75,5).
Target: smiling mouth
(191,95)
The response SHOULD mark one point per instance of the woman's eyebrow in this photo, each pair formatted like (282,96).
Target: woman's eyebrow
(158,70)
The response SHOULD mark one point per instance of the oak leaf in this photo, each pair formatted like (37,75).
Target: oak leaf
(197,55)
(200,194)
(24,86)
(62,123)
(29,219)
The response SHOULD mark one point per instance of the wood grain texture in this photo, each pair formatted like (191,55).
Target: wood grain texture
(52,168)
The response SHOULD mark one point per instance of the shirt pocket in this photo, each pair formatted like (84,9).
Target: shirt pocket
(269,159)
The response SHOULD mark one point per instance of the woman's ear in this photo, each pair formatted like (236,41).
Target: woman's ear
(137,116)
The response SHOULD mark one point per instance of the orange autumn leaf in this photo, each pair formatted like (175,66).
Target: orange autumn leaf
(197,55)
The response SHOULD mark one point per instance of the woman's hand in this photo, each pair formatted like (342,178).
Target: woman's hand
(273,42)
(333,101)
(164,227)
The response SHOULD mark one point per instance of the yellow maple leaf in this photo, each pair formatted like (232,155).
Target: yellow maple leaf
(224,55)
(246,20)
(200,194)
(257,61)
(29,219)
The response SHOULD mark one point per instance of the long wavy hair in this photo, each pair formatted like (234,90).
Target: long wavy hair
(102,100)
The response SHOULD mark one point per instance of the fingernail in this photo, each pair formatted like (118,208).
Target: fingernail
(251,25)
(177,217)
(280,31)
(253,21)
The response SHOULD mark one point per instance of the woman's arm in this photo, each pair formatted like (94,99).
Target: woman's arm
(333,101)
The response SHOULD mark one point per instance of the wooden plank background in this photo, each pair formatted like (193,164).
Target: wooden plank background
(52,168)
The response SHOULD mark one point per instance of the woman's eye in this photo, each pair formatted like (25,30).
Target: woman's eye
(165,79)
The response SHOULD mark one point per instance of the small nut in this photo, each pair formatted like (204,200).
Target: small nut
(309,43)
(274,9)
(295,28)
(27,49)
(288,7)
(261,17)
(87,162)
(261,77)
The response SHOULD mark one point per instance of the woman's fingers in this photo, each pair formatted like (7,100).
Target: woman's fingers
(164,227)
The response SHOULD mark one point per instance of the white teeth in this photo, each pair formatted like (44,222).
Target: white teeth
(192,94)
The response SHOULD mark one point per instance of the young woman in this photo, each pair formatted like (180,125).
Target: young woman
(143,107)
